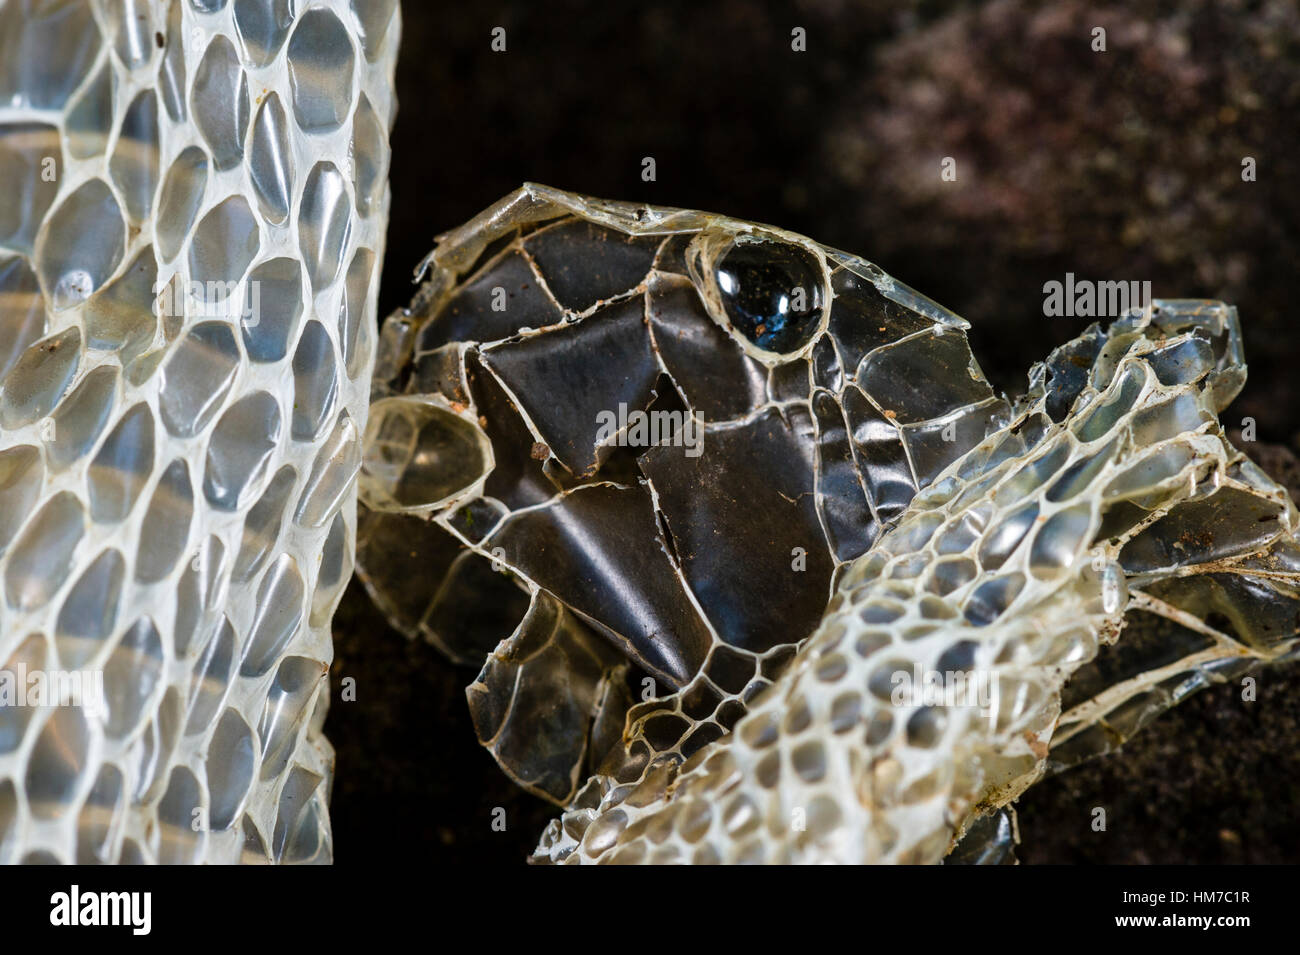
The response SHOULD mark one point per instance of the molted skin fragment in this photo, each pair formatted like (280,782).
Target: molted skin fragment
(182,194)
(354,316)
(332,475)
(773,295)
(123,464)
(39,378)
(31,164)
(57,763)
(20,486)
(376,19)
(24,312)
(15,721)
(240,450)
(46,50)
(270,320)
(716,377)
(123,316)
(176,812)
(172,71)
(232,760)
(370,154)
(334,572)
(315,382)
(197,378)
(132,676)
(41,558)
(135,160)
(615,348)
(90,120)
(417,451)
(94,825)
(166,526)
(82,243)
(324,224)
(280,599)
(321,61)
(211,679)
(153,300)
(200,593)
(297,828)
(220,103)
(1023,633)
(288,703)
(614,424)
(224,243)
(263,26)
(132,31)
(262,526)
(948,530)
(270,164)
(89,611)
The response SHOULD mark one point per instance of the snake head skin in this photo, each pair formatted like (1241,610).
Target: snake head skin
(751,480)
(633,447)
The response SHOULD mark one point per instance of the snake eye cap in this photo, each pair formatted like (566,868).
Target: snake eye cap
(769,293)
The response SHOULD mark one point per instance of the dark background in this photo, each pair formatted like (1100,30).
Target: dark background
(1122,165)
